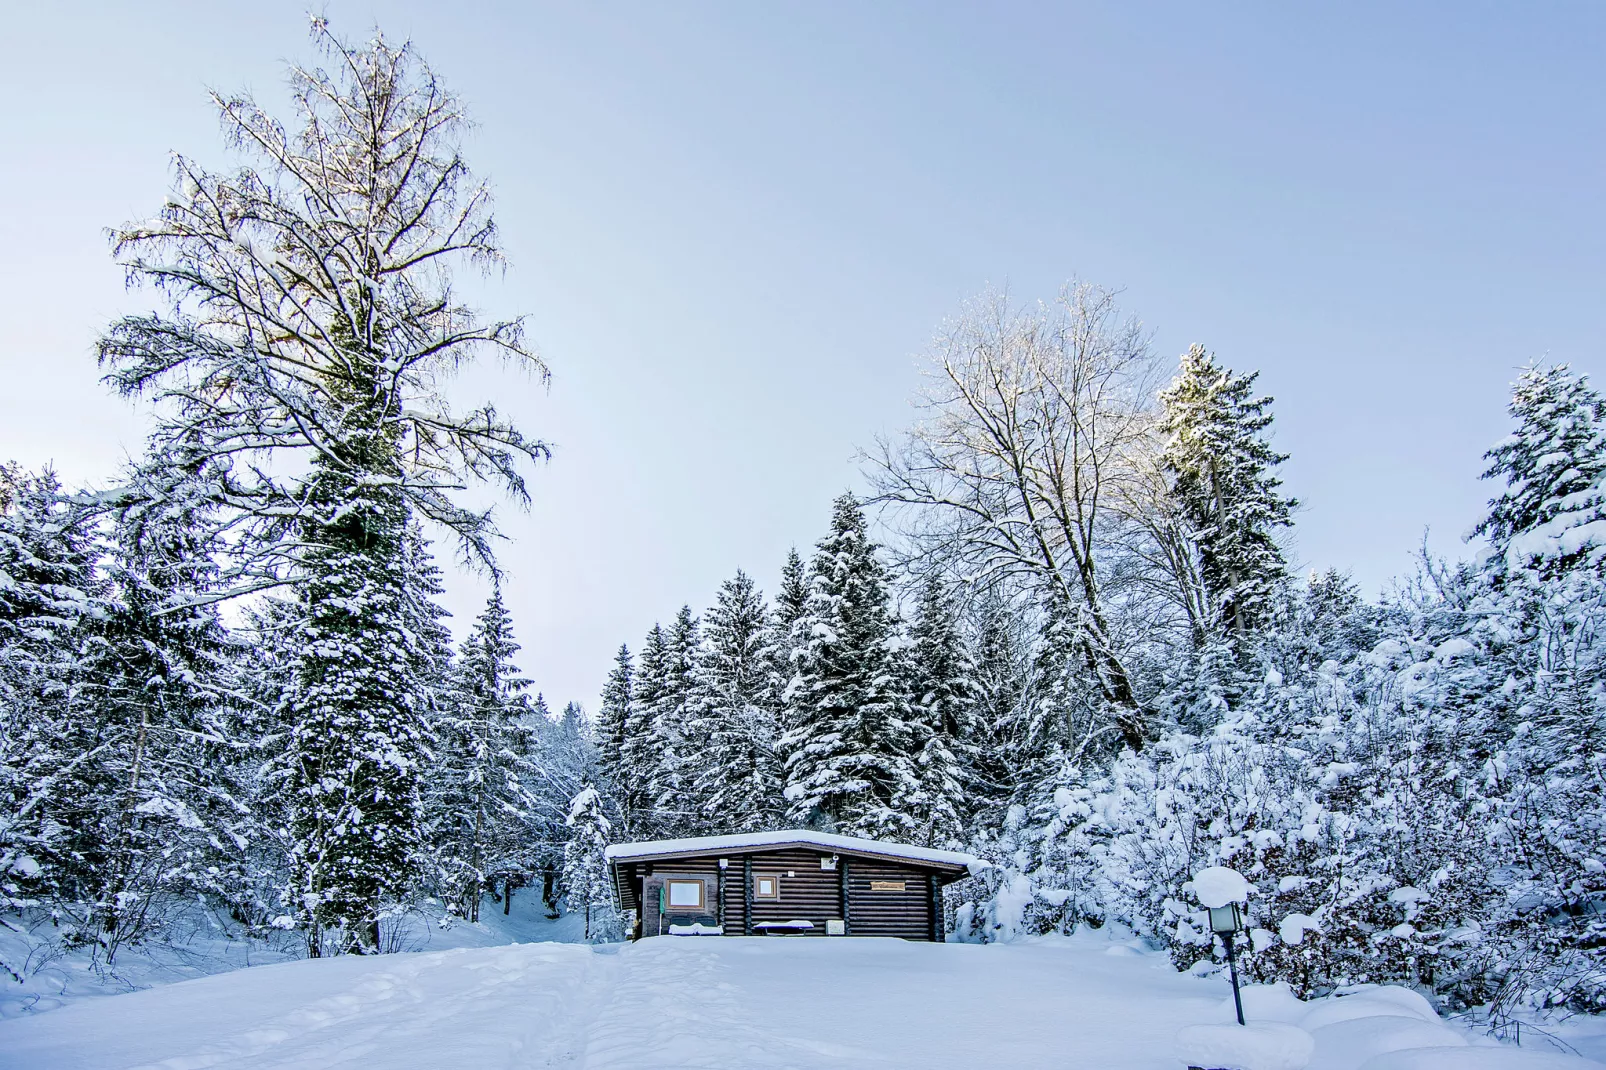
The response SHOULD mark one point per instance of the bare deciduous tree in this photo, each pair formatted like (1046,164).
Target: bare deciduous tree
(1031,420)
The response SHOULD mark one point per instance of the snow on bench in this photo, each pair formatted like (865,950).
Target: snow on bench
(784,927)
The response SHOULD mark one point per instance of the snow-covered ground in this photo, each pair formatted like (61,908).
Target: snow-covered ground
(198,946)
(713,1003)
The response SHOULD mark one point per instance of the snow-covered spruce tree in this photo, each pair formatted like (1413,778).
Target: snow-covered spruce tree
(1001,677)
(359,706)
(1221,467)
(156,678)
(52,790)
(790,601)
(613,720)
(638,776)
(673,748)
(737,783)
(312,322)
(848,752)
(480,780)
(793,596)
(565,761)
(1551,514)
(585,869)
(942,692)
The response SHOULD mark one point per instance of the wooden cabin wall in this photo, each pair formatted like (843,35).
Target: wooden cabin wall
(810,894)
(906,913)
(706,868)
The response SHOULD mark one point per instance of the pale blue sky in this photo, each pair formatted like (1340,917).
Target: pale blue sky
(734,227)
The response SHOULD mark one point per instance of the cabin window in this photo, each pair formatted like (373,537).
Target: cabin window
(766,886)
(684,895)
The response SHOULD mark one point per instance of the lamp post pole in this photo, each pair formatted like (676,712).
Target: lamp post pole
(1232,966)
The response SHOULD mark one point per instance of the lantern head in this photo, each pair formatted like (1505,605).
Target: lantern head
(1226,919)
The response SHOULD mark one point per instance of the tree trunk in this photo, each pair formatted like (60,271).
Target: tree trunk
(549,889)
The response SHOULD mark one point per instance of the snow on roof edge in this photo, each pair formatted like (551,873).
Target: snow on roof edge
(828,840)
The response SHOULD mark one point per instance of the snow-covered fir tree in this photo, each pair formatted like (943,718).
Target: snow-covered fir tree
(155,678)
(482,777)
(358,706)
(1550,515)
(613,719)
(674,749)
(849,750)
(585,869)
(943,695)
(638,762)
(53,791)
(738,786)
(790,601)
(1221,466)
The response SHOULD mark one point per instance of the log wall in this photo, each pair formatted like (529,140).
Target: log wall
(808,893)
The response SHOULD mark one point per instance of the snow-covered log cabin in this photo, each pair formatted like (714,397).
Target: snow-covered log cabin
(794,882)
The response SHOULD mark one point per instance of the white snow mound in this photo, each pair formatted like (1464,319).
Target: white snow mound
(1257,1046)
(1402,997)
(1348,1008)
(1454,1058)
(1217,886)
(1346,1045)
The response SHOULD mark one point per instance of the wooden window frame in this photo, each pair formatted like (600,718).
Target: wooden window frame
(776,877)
(671,907)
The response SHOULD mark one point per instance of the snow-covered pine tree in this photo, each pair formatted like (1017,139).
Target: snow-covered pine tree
(848,751)
(481,780)
(52,793)
(1002,671)
(585,869)
(564,761)
(312,322)
(613,720)
(639,764)
(1221,467)
(1551,514)
(737,782)
(943,694)
(674,750)
(790,601)
(359,704)
(155,677)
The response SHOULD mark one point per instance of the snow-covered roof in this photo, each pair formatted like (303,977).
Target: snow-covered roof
(825,841)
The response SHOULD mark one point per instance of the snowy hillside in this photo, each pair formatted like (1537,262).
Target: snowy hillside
(738,1003)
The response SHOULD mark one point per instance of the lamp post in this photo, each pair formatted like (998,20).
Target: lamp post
(1225,922)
